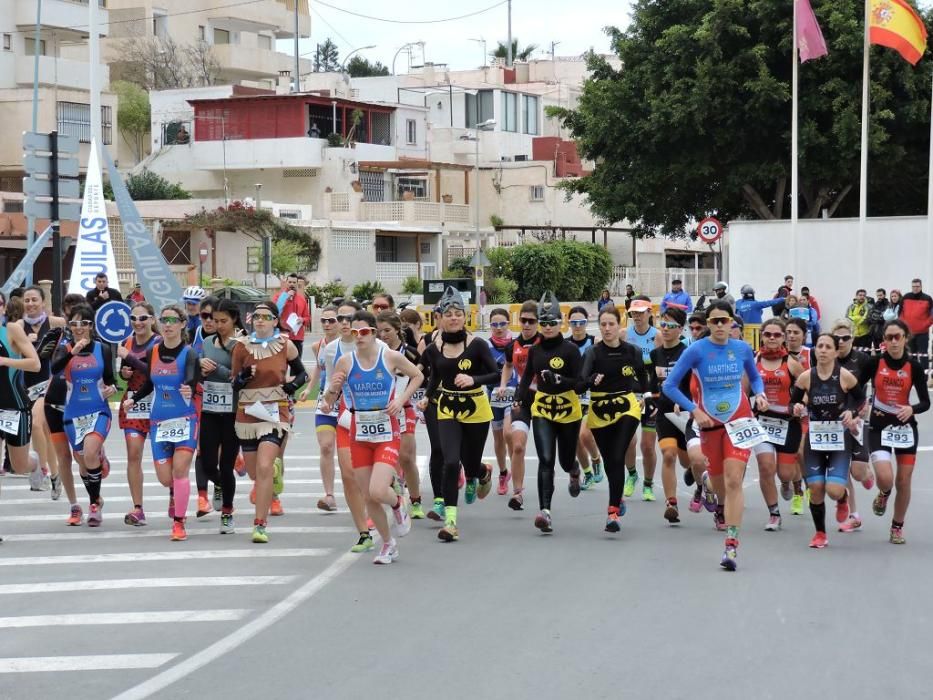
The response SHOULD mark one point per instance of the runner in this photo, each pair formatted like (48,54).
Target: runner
(587,452)
(259,365)
(892,431)
(833,396)
(779,454)
(135,424)
(499,341)
(205,331)
(554,365)
(218,444)
(192,297)
(390,332)
(795,333)
(723,414)
(369,375)
(614,371)
(516,360)
(644,335)
(172,379)
(411,325)
(87,365)
(461,366)
(429,414)
(325,426)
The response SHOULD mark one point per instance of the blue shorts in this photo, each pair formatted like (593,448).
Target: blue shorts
(498,416)
(101,428)
(828,467)
(164,451)
(324,422)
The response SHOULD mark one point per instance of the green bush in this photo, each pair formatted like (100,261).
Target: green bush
(574,271)
(365,291)
(412,285)
(459,267)
(500,290)
(501,259)
(326,293)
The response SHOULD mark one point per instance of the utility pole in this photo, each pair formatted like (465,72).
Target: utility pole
(296,87)
(31,220)
(508,55)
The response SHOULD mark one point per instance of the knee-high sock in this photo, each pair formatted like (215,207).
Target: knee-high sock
(182,488)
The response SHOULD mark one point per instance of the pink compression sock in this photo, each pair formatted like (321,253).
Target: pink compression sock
(182,488)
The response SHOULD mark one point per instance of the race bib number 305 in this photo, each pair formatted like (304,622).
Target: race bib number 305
(897,436)
(745,433)
(827,436)
(373,426)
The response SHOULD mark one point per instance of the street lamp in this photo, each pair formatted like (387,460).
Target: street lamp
(487,125)
(343,66)
(485,55)
(402,48)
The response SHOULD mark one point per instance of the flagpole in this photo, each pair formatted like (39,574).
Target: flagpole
(863,167)
(794,182)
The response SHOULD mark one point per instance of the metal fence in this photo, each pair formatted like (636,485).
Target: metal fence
(655,282)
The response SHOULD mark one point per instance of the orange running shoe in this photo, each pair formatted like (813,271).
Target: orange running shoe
(178,531)
(276,507)
(204,506)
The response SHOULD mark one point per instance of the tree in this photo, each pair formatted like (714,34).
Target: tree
(698,121)
(572,270)
(326,57)
(156,63)
(359,67)
(133,115)
(502,51)
(147,186)
(285,256)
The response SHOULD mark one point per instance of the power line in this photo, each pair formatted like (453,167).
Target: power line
(333,29)
(411,21)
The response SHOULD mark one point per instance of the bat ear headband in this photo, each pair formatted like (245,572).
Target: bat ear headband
(548,307)
(450,300)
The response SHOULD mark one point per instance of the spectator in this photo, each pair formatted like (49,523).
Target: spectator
(101,293)
(895,303)
(790,302)
(917,313)
(876,318)
(782,293)
(315,131)
(137,296)
(814,304)
(606,300)
(182,136)
(857,313)
(749,309)
(294,313)
(677,298)
(807,313)
(721,290)
(629,295)
(383,302)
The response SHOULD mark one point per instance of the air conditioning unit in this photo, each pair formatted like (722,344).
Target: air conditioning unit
(521,157)
(289,212)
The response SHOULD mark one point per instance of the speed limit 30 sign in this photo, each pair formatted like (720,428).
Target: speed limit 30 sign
(709,230)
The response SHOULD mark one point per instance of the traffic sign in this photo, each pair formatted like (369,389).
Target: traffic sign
(112,322)
(67,211)
(709,230)
(43,142)
(42,165)
(33,187)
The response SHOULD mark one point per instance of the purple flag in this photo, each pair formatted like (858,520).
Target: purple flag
(810,40)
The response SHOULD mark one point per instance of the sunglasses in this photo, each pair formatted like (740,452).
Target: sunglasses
(498,324)
(719,321)
(80,324)
(578,322)
(362,332)
(670,325)
(696,329)
(548,324)
(769,334)
(843,338)
(380,307)
(528,321)
(263,317)
(207,315)
(168,320)
(891,337)
(328,321)
(344,319)
(140,319)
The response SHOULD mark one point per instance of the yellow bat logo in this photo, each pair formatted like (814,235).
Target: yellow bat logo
(465,364)
(556,362)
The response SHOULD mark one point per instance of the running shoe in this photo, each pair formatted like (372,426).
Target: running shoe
(574,486)
(729,560)
(178,531)
(796,504)
(136,518)
(56,483)
(689,479)
(449,533)
(630,482)
(469,493)
(218,497)
(278,476)
(416,512)
(719,521)
(401,523)
(773,524)
(710,502)
(364,544)
(842,511)
(622,508)
(880,504)
(851,525)
(869,481)
(171,506)
(260,536)
(76,517)
(240,465)
(647,493)
(787,490)
(613,523)
(543,521)
(696,503)
(275,508)
(517,501)
(388,553)
(94,516)
(589,480)
(897,536)
(598,474)
(503,487)
(461,480)
(36,479)
(252,494)
(484,487)
(226,524)
(204,507)
(437,510)
(671,514)
(327,504)
(819,541)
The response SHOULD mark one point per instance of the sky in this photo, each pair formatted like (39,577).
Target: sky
(533,21)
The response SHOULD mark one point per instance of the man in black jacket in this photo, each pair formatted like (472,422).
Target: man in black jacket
(876,316)
(101,293)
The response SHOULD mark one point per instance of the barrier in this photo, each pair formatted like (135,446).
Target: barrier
(752,335)
(515,324)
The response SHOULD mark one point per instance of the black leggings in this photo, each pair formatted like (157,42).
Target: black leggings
(461,443)
(218,442)
(436,460)
(613,441)
(553,442)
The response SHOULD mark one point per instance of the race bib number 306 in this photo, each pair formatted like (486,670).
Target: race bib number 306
(373,426)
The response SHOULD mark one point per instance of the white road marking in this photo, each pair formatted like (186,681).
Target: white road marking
(143,557)
(122,618)
(163,498)
(110,483)
(139,583)
(145,532)
(156,517)
(100,662)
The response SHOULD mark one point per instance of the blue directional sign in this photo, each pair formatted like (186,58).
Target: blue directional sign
(112,322)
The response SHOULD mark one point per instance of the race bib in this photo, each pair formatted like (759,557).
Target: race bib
(9,422)
(344,420)
(140,410)
(218,397)
(776,428)
(585,399)
(508,398)
(84,425)
(827,436)
(745,433)
(173,430)
(417,397)
(897,436)
(373,426)
(37,391)
(267,412)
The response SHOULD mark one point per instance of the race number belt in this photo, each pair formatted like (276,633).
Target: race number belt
(140,410)
(745,433)
(776,428)
(508,398)
(84,426)
(827,435)
(36,391)
(897,436)
(373,426)
(217,397)
(173,430)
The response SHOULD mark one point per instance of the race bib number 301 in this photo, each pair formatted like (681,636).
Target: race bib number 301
(218,397)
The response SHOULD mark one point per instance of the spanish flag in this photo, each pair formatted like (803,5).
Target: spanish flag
(895,24)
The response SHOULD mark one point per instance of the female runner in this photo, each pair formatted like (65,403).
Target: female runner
(587,452)
(17,355)
(499,340)
(795,333)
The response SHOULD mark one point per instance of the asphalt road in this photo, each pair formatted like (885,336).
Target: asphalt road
(503,613)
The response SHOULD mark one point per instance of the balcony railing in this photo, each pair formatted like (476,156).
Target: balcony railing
(411,211)
(394,273)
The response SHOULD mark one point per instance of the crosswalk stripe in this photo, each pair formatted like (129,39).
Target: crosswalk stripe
(140,583)
(138,532)
(98,662)
(119,484)
(123,618)
(162,556)
(61,517)
(162,497)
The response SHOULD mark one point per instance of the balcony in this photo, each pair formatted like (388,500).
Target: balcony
(248,61)
(60,72)
(251,154)
(275,15)
(62,15)
(346,206)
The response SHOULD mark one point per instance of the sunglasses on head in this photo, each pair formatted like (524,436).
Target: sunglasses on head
(142,318)
(578,322)
(342,318)
(772,334)
(84,323)
(362,332)
(719,320)
(548,324)
(328,321)
(207,315)
(670,325)
(528,321)
(498,324)
(894,336)
(843,338)
(168,320)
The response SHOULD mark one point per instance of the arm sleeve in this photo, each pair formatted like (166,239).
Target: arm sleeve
(855,397)
(434,379)
(147,387)
(654,381)
(107,353)
(751,369)
(300,374)
(589,365)
(920,384)
(868,370)
(60,359)
(192,370)
(671,386)
(491,373)
(221,372)
(134,363)
(641,372)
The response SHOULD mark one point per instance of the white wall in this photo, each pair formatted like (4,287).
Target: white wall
(893,252)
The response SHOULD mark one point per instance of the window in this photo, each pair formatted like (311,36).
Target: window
(253,258)
(176,247)
(416,185)
(30,44)
(159,24)
(221,36)
(479,108)
(7,42)
(509,111)
(536,193)
(74,119)
(411,131)
(202,32)
(530,114)
(265,42)
(386,249)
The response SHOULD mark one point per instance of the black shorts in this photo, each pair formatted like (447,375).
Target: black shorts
(861,453)
(276,437)
(650,422)
(55,419)
(24,430)
(874,442)
(690,432)
(669,431)
(794,435)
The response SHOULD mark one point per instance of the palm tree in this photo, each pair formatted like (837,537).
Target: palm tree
(523,55)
